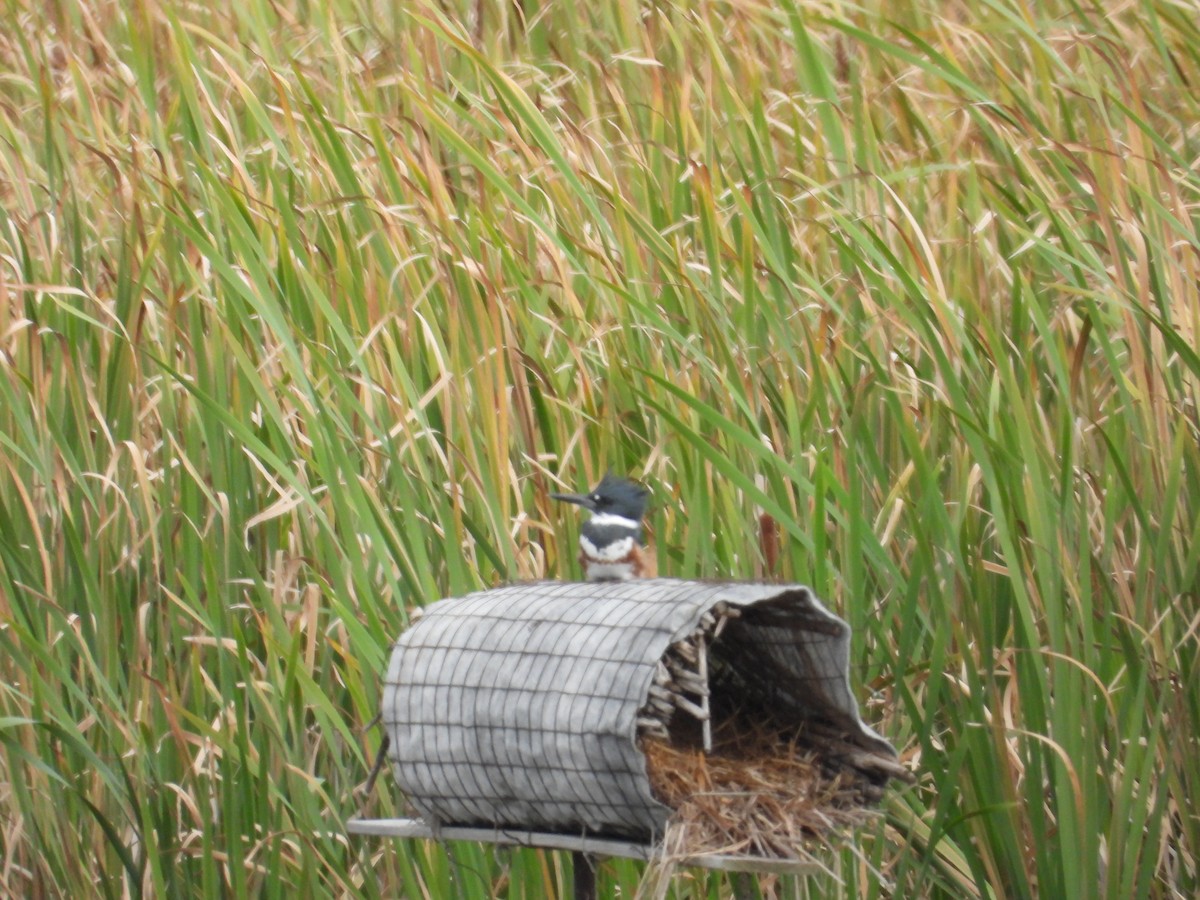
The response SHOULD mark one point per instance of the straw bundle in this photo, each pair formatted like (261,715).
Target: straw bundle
(681,680)
(758,793)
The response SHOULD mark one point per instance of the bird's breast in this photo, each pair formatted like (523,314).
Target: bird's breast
(608,551)
(612,566)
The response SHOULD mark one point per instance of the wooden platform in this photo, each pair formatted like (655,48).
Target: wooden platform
(592,846)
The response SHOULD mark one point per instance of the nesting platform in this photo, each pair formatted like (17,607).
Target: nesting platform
(553,707)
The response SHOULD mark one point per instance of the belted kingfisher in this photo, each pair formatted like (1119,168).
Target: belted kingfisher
(610,542)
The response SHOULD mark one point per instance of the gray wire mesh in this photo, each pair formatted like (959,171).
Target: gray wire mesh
(517,707)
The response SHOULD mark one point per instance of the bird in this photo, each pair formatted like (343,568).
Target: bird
(610,541)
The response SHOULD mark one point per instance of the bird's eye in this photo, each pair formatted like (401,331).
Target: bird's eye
(597,498)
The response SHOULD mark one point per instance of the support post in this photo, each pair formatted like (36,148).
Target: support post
(743,886)
(584,866)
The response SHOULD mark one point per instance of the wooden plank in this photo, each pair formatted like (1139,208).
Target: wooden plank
(702,671)
(751,864)
(416,828)
(594,846)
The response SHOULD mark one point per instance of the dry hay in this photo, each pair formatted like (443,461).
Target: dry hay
(758,793)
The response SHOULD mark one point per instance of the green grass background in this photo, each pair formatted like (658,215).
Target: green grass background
(306,305)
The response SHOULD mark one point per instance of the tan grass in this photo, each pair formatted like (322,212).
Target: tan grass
(758,794)
(416,265)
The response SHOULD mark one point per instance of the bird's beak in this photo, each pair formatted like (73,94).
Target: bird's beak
(578,499)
